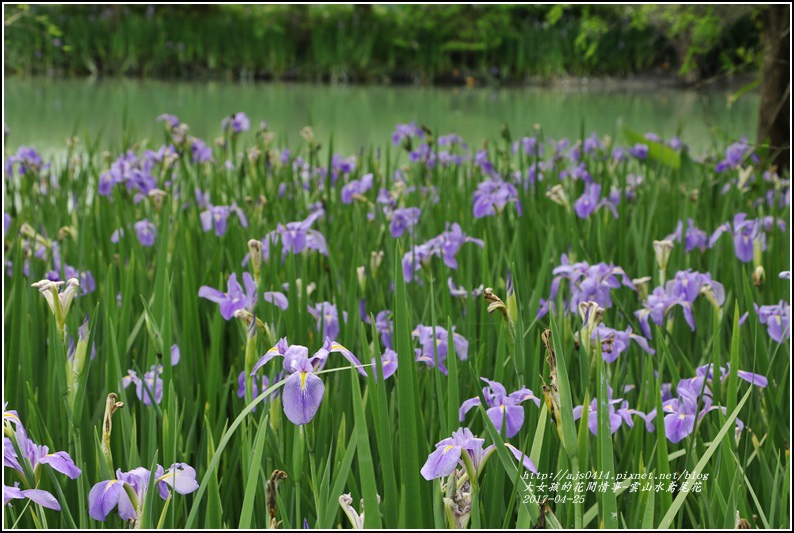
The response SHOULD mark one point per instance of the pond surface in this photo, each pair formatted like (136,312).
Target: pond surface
(42,112)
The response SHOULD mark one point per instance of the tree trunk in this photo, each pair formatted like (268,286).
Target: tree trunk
(773,123)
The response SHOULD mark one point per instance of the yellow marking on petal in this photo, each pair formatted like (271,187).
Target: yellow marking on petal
(303,380)
(448,448)
(337,346)
(668,408)
(502,407)
(12,415)
(681,416)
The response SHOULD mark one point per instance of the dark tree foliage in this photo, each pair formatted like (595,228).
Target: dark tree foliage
(774,127)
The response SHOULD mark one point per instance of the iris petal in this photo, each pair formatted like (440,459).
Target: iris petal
(303,393)
(103,498)
(441,462)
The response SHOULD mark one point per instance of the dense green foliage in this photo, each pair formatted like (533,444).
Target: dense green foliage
(408,43)
(370,437)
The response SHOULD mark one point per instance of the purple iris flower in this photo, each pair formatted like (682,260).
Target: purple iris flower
(82,335)
(706,373)
(777,319)
(614,342)
(616,416)
(151,384)
(218,216)
(457,291)
(239,122)
(41,497)
(587,283)
(404,132)
(735,154)
(532,147)
(6,223)
(146,232)
(681,291)
(450,139)
(424,154)
(682,413)
(170,120)
(586,204)
(447,456)
(27,159)
(295,238)
(445,245)
(592,144)
(619,153)
(694,237)
(63,271)
(12,417)
(265,383)
(492,196)
(482,161)
(278,299)
(591,200)
(356,187)
(633,182)
(403,219)
(639,150)
(383,324)
(578,172)
(107,495)
(303,391)
(235,298)
(748,234)
(447,158)
(327,317)
(38,456)
(388,362)
(341,167)
(535,173)
(502,406)
(439,343)
(201,152)
(137,173)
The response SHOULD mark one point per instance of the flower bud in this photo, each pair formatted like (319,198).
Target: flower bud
(662,249)
(255,249)
(307,134)
(157,196)
(707,291)
(642,286)
(111,406)
(558,195)
(375,259)
(361,272)
(591,314)
(759,276)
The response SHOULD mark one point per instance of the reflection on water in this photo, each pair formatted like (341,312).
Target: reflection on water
(43,112)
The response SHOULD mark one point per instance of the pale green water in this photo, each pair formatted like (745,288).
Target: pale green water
(42,112)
